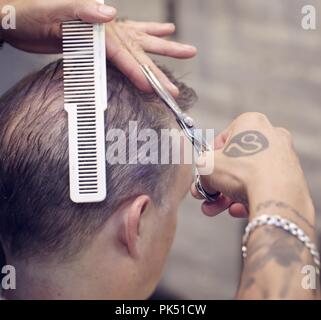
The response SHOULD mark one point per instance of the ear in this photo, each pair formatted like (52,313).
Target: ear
(132,216)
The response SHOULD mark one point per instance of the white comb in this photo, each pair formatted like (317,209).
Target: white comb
(85,102)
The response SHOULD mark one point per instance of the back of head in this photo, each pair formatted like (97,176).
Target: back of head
(37,217)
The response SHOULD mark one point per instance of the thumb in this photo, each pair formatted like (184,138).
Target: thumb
(214,171)
(90,11)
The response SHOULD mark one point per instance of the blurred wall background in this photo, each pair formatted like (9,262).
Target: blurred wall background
(253,56)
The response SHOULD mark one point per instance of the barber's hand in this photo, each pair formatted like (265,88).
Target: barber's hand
(254,162)
(128,42)
(38,22)
(38,30)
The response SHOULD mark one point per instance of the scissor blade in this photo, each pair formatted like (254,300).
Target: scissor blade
(161,90)
(199,143)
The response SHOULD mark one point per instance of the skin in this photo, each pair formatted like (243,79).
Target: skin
(139,234)
(128,42)
(132,247)
(134,244)
(258,172)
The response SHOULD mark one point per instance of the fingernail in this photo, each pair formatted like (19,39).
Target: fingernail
(170,25)
(107,11)
(188,47)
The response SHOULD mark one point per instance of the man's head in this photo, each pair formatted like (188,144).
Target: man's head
(125,239)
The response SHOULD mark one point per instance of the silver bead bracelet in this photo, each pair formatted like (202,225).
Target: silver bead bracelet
(286,225)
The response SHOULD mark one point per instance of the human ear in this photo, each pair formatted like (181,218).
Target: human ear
(132,216)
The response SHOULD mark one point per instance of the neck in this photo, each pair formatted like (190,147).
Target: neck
(73,281)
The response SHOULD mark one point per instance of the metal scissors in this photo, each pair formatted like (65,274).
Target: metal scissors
(187,125)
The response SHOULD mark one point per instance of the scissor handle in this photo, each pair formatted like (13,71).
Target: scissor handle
(209,197)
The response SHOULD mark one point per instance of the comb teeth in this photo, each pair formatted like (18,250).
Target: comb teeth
(79,63)
(85,101)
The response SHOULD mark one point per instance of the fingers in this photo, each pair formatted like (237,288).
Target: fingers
(132,36)
(125,62)
(221,139)
(87,10)
(195,193)
(152,28)
(134,39)
(144,59)
(286,134)
(212,209)
(167,48)
(238,210)
(129,64)
(126,54)
(213,169)
(231,176)
(251,121)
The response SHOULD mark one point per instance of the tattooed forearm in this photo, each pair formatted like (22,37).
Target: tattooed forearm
(245,144)
(272,267)
(282,205)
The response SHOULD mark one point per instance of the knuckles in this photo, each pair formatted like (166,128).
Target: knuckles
(286,134)
(138,35)
(254,117)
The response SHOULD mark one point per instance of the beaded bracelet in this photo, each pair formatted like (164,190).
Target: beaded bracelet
(286,225)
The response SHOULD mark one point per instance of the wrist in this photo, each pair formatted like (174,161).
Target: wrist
(277,252)
(288,197)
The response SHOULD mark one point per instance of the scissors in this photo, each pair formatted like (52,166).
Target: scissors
(187,125)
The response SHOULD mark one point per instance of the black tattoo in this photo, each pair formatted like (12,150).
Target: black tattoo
(282,205)
(245,144)
(274,245)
